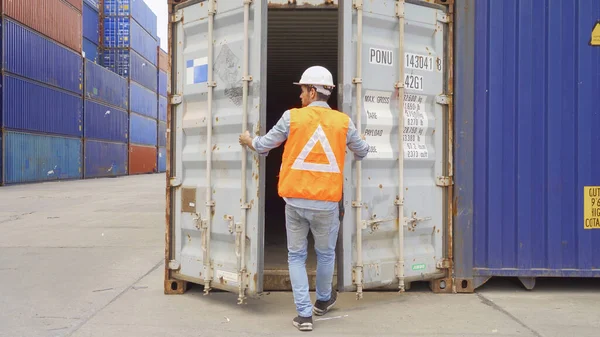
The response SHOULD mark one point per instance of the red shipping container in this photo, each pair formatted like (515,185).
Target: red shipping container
(142,159)
(77,4)
(163,60)
(54,18)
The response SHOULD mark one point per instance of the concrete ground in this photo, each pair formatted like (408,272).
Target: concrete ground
(85,258)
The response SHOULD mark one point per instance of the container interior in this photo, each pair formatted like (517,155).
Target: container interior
(297,39)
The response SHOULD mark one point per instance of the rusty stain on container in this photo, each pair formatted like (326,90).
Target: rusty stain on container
(380,186)
(52,18)
(163,60)
(142,159)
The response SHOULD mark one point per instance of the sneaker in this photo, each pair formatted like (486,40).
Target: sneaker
(322,307)
(303,323)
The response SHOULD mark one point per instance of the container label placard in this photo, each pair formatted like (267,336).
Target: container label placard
(591,207)
(379,124)
(415,126)
(381,57)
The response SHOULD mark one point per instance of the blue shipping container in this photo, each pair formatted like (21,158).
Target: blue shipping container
(162,83)
(526,137)
(143,101)
(91,22)
(93,3)
(138,9)
(162,159)
(32,106)
(34,158)
(29,54)
(162,108)
(105,86)
(105,122)
(105,159)
(90,50)
(130,64)
(142,130)
(121,32)
(162,134)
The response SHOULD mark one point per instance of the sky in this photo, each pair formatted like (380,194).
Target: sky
(159,7)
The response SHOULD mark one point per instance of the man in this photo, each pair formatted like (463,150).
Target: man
(311,181)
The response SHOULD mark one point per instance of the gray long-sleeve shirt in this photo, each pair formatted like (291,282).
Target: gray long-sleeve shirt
(280,132)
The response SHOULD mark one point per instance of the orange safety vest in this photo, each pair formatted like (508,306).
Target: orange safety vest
(312,166)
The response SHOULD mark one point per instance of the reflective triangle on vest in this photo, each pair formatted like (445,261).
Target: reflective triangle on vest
(317,137)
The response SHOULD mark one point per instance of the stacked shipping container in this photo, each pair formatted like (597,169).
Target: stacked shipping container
(42,82)
(130,45)
(163,75)
(91,29)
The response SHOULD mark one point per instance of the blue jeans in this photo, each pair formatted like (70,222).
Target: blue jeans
(324,226)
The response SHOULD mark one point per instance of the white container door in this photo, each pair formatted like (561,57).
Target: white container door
(375,253)
(217,200)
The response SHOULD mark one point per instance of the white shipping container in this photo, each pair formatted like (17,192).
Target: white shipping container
(225,220)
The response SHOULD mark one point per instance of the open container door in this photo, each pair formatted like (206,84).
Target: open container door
(394,55)
(216,236)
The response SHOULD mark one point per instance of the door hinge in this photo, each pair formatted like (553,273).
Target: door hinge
(358,4)
(176,99)
(444,181)
(443,99)
(443,264)
(174,182)
(174,265)
(400,9)
(178,16)
(443,17)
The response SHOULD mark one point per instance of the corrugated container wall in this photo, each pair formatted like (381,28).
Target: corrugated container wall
(128,63)
(142,159)
(91,21)
(137,9)
(162,83)
(162,108)
(75,3)
(161,165)
(32,106)
(28,54)
(142,100)
(94,3)
(105,159)
(122,32)
(163,60)
(105,86)
(54,18)
(105,122)
(162,134)
(526,147)
(33,158)
(142,130)
(91,51)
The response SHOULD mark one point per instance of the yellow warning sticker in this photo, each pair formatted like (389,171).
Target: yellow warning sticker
(595,39)
(591,207)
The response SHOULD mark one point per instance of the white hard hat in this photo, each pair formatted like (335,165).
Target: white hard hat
(317,76)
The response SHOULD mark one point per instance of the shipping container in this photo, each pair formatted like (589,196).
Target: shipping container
(28,54)
(32,106)
(161,165)
(91,51)
(162,83)
(162,134)
(143,101)
(105,86)
(76,3)
(526,120)
(162,108)
(105,123)
(121,32)
(130,64)
(142,159)
(142,130)
(137,9)
(383,243)
(105,159)
(52,18)
(93,3)
(163,59)
(91,22)
(33,157)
